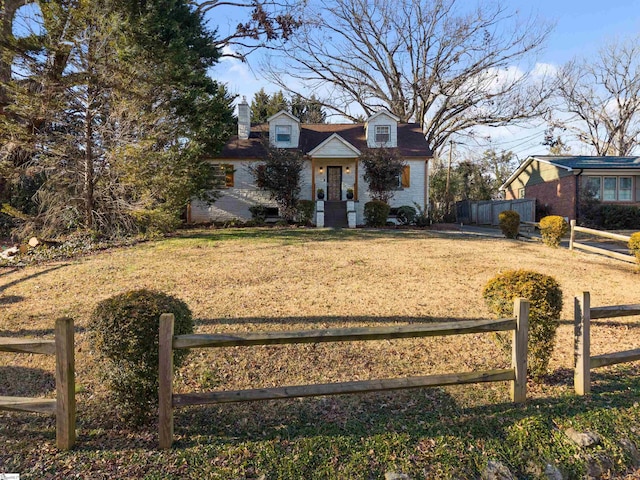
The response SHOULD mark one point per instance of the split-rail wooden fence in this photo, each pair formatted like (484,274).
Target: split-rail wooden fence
(599,233)
(516,375)
(583,361)
(64,405)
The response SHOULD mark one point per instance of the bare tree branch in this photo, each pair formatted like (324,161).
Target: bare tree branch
(603,98)
(438,62)
(269,20)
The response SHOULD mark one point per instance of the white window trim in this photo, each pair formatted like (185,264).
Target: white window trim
(601,179)
(285,130)
(387,133)
(630,199)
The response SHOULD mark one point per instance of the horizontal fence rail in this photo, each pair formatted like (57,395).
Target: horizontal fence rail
(343,334)
(64,405)
(583,361)
(168,342)
(601,251)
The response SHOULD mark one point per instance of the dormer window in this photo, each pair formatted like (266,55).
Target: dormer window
(283,133)
(383,134)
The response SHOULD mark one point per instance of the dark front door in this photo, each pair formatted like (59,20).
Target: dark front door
(334,184)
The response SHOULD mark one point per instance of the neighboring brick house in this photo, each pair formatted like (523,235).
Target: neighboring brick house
(556,182)
(331,152)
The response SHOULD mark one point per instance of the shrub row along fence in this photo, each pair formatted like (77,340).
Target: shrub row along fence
(583,361)
(64,405)
(516,375)
(602,251)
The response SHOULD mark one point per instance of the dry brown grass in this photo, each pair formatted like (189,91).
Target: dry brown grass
(245,280)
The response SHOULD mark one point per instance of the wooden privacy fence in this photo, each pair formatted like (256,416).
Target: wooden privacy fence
(583,361)
(602,251)
(517,374)
(64,405)
(486,212)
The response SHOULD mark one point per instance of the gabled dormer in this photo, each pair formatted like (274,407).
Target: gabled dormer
(284,130)
(381,130)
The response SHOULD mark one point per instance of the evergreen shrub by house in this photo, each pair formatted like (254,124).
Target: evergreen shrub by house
(509,221)
(305,211)
(258,214)
(552,229)
(619,217)
(376,213)
(406,215)
(634,246)
(545,297)
(124,332)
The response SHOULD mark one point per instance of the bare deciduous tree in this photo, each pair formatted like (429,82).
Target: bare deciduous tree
(438,62)
(603,97)
(269,20)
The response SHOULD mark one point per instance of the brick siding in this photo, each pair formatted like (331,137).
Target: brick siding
(559,195)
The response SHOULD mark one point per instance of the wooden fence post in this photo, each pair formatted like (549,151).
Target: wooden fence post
(572,236)
(582,344)
(165,380)
(519,343)
(65,385)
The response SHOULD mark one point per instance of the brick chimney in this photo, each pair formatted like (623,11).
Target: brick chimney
(244,119)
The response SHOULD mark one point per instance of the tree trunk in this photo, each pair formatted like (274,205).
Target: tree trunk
(88,155)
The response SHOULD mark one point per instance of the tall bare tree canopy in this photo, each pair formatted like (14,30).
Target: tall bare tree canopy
(602,95)
(442,63)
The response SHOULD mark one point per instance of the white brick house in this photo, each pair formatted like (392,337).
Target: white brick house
(332,152)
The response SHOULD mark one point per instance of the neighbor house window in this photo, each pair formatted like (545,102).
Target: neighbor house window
(594,186)
(611,189)
(223,175)
(521,193)
(283,133)
(383,133)
(625,189)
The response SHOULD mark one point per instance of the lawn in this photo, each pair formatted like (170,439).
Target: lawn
(270,279)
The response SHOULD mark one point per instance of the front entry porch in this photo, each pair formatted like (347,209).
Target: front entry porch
(335,214)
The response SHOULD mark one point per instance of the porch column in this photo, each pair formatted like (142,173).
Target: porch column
(355,187)
(313,179)
(351,213)
(320,213)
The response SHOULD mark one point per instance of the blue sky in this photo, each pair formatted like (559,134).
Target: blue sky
(581,27)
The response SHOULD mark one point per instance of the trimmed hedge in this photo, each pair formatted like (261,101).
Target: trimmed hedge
(376,213)
(406,215)
(545,296)
(619,217)
(124,331)
(509,223)
(552,229)
(634,246)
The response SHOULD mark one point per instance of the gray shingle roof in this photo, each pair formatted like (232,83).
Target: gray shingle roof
(590,162)
(411,140)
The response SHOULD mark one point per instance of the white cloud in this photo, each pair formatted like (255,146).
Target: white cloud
(542,69)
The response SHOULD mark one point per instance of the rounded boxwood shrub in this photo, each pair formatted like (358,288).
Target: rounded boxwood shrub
(634,246)
(509,223)
(376,213)
(406,215)
(552,229)
(124,332)
(545,297)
